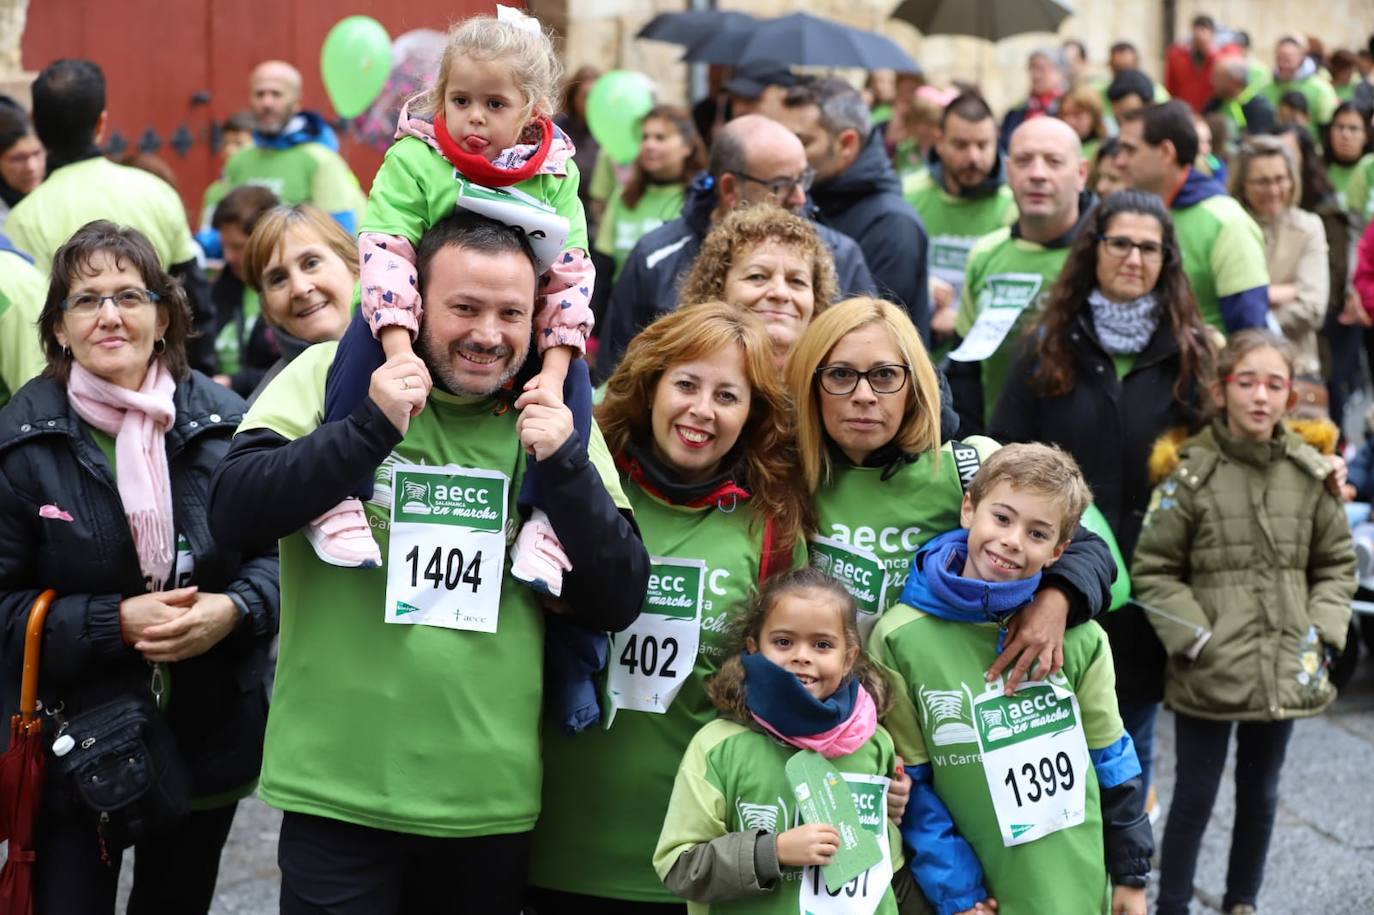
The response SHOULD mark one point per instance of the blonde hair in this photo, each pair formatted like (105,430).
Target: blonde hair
(1090,100)
(534,66)
(271,228)
(920,428)
(1046,470)
(727,687)
(739,233)
(766,444)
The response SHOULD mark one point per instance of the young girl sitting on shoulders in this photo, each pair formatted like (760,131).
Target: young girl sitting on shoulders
(1246,557)
(733,840)
(486,123)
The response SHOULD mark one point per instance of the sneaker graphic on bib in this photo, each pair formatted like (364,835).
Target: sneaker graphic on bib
(537,558)
(342,537)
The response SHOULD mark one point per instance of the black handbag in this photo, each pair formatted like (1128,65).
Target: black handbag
(123,764)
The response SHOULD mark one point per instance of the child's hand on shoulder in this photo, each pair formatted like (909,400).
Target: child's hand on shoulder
(1128,900)
(548,383)
(986,907)
(807,845)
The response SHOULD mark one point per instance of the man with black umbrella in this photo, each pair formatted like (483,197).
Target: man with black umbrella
(858,192)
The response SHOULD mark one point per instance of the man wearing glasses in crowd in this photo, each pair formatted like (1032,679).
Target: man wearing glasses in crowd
(754,160)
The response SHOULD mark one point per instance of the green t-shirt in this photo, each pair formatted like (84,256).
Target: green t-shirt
(606,791)
(22,293)
(604,179)
(1321,99)
(304,173)
(414,729)
(1223,253)
(416,187)
(1358,199)
(216,192)
(1001,270)
(869,517)
(955,223)
(908,160)
(733,779)
(97,188)
(622,226)
(936,667)
(229,342)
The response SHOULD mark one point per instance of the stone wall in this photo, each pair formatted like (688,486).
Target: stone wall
(601,32)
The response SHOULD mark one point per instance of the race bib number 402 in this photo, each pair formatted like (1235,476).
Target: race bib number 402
(651,659)
(446,557)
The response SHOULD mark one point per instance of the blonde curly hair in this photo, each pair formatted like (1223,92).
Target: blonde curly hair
(535,67)
(742,231)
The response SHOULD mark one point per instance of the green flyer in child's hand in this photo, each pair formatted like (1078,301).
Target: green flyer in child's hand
(823,797)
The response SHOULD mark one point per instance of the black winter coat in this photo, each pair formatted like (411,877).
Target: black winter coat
(865,202)
(1109,425)
(648,284)
(217,701)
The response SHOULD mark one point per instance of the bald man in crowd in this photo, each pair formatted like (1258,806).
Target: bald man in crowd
(1009,272)
(295,153)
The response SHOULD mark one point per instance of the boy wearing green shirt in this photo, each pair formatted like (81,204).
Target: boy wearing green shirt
(1032,799)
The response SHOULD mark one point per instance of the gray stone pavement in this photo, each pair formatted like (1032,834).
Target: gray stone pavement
(1321,859)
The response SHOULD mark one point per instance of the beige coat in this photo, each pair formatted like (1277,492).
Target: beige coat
(1295,250)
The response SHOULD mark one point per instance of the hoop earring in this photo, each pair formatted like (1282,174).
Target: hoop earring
(160,345)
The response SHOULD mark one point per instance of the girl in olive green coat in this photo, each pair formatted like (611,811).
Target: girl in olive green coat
(1246,564)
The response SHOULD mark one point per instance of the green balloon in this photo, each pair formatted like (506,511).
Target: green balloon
(1121,588)
(615,107)
(355,62)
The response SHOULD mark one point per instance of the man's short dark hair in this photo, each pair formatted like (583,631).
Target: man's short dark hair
(242,207)
(14,123)
(1122,47)
(969,106)
(842,107)
(68,97)
(477,233)
(1204,22)
(1172,121)
(1295,100)
(1131,82)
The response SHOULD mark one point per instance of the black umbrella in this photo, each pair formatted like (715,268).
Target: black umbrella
(693,26)
(990,19)
(804,40)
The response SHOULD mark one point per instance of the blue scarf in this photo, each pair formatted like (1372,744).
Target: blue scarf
(938,587)
(778,697)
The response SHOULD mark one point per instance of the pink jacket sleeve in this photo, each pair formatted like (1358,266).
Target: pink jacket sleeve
(563,311)
(1364,269)
(390,287)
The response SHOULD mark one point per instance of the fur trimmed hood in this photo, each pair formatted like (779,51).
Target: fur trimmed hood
(1321,434)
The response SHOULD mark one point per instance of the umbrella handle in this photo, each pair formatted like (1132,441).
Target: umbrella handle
(33,640)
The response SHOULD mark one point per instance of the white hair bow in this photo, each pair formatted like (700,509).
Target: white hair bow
(518,19)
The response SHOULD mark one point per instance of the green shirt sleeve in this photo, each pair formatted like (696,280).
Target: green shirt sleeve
(902,720)
(565,202)
(398,203)
(333,187)
(1096,690)
(973,284)
(1237,256)
(21,355)
(292,404)
(696,809)
(605,232)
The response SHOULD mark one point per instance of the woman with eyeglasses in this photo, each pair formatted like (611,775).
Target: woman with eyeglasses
(105,463)
(868,432)
(1118,357)
(1266,181)
(1346,141)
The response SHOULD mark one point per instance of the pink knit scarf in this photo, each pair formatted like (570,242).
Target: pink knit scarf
(138,420)
(840,740)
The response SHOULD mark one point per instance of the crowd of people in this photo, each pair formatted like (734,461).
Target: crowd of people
(522,526)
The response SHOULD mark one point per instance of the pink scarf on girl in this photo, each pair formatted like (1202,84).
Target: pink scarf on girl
(138,420)
(841,740)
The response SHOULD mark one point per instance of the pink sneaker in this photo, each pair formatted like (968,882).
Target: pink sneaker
(537,558)
(342,537)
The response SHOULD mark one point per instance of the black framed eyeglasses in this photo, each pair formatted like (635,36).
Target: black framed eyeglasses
(88,303)
(1120,246)
(840,380)
(780,187)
